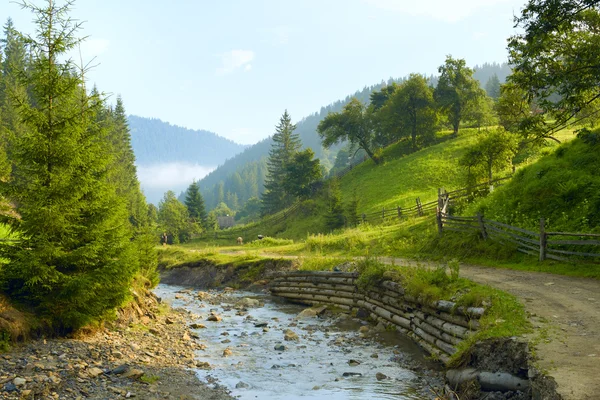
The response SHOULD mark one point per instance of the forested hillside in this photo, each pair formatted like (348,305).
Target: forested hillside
(155,142)
(223,184)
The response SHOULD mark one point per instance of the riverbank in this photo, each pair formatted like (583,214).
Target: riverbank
(147,355)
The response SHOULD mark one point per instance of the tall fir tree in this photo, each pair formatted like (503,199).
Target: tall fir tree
(74,261)
(124,178)
(195,205)
(285,145)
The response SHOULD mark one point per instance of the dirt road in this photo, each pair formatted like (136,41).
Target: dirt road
(569,310)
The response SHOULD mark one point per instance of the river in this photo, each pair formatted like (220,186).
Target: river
(333,358)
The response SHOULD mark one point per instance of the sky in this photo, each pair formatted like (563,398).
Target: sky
(234,66)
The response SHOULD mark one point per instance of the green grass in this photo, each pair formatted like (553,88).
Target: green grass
(563,187)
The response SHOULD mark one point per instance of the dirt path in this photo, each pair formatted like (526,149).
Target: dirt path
(566,314)
(569,309)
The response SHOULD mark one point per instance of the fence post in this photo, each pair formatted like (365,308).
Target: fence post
(383,213)
(482,226)
(364,218)
(440,205)
(399,212)
(543,239)
(440,224)
(419,208)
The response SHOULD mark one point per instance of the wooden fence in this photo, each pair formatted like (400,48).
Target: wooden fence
(561,246)
(418,210)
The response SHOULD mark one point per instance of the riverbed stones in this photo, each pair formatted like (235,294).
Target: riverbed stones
(280,347)
(248,303)
(353,363)
(18,382)
(214,317)
(290,335)
(197,326)
(241,385)
(227,352)
(380,376)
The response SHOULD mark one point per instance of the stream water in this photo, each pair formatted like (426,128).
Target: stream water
(317,365)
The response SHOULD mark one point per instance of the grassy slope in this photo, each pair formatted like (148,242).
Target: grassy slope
(563,187)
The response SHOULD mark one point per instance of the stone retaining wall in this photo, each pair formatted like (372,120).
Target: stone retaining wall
(437,327)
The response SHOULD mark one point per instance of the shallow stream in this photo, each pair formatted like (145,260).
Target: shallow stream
(333,357)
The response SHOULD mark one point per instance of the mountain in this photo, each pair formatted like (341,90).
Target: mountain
(169,157)
(156,142)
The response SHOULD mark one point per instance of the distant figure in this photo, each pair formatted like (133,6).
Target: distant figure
(260,237)
(240,241)
(164,238)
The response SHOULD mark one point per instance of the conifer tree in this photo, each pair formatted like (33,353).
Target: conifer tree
(285,145)
(195,205)
(334,218)
(125,180)
(74,261)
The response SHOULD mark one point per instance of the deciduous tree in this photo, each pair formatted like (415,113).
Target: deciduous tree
(351,124)
(456,90)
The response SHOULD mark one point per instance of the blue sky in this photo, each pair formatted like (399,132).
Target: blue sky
(233,66)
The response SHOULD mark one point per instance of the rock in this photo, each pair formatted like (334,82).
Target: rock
(280,347)
(133,373)
(186,336)
(154,331)
(214,317)
(353,363)
(9,387)
(225,341)
(25,393)
(347,374)
(374,355)
(18,382)
(241,385)
(120,369)
(197,326)
(362,313)
(261,325)
(227,352)
(364,329)
(169,321)
(94,372)
(290,335)
(380,376)
(203,365)
(248,302)
(203,295)
(311,312)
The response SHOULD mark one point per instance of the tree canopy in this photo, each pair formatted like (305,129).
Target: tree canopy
(556,59)
(351,124)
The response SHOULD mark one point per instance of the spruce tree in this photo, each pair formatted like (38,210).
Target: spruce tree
(74,261)
(195,205)
(285,145)
(124,178)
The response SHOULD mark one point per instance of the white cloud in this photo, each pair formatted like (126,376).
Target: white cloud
(235,59)
(170,175)
(442,10)
(248,67)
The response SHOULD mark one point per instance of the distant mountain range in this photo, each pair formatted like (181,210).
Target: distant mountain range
(169,157)
(157,142)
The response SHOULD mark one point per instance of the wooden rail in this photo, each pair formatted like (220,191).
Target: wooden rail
(540,244)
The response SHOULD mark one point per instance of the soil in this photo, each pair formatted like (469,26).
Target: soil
(566,314)
(150,357)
